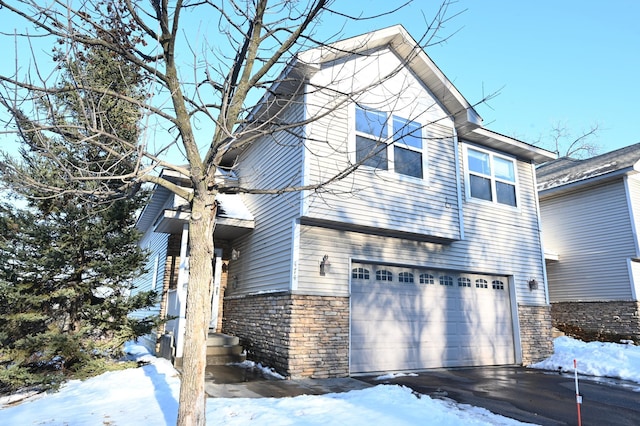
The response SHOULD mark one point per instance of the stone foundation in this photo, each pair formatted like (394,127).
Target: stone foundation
(535,333)
(308,336)
(298,335)
(614,318)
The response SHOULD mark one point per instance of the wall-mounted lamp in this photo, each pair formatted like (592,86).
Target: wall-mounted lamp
(325,265)
(235,254)
(533,284)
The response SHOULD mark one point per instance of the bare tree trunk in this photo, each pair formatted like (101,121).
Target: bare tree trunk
(192,408)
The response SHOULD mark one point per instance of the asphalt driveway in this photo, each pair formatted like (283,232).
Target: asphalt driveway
(545,398)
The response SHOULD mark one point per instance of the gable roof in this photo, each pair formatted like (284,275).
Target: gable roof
(570,171)
(468,122)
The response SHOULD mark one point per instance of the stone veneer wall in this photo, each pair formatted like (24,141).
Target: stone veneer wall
(613,317)
(535,333)
(298,335)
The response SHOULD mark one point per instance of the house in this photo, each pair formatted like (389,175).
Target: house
(590,213)
(427,255)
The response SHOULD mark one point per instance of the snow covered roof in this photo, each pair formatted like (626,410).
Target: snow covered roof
(166,212)
(566,171)
(232,207)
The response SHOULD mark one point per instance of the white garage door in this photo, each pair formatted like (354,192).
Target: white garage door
(407,318)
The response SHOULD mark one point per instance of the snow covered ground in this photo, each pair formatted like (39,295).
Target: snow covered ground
(149,395)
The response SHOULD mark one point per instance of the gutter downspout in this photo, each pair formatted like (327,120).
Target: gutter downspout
(456,148)
(540,239)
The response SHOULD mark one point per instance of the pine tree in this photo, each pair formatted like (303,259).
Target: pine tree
(67,262)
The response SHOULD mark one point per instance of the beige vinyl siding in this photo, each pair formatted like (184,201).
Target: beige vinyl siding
(591,231)
(633,191)
(501,235)
(344,246)
(380,198)
(156,244)
(265,253)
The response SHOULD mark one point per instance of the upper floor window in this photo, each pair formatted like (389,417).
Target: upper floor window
(491,177)
(389,142)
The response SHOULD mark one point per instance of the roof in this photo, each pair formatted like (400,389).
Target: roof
(162,212)
(468,122)
(570,171)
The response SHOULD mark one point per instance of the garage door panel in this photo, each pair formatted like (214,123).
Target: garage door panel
(404,326)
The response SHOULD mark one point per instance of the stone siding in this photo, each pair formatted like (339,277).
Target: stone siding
(603,318)
(298,335)
(535,333)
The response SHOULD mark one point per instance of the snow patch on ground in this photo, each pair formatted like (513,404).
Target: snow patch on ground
(617,360)
(149,395)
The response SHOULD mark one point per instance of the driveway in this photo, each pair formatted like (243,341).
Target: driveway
(545,398)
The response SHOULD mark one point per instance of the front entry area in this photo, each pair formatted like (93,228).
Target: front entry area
(411,319)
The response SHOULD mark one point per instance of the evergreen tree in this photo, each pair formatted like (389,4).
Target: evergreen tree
(67,262)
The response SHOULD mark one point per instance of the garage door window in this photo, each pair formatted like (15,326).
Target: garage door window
(497,285)
(384,275)
(464,282)
(481,284)
(360,273)
(426,279)
(446,280)
(405,277)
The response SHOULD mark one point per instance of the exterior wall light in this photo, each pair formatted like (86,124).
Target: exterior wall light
(235,254)
(325,265)
(533,284)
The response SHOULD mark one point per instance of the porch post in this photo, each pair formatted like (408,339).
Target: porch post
(183,279)
(215,298)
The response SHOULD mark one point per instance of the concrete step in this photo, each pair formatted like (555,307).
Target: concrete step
(225,359)
(224,350)
(219,339)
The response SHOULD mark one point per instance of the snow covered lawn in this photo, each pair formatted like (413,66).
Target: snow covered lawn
(149,395)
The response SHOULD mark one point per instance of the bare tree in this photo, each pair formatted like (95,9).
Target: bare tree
(566,144)
(211,92)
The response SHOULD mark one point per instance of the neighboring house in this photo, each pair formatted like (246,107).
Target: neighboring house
(590,213)
(428,255)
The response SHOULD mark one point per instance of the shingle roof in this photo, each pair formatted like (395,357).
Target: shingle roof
(564,171)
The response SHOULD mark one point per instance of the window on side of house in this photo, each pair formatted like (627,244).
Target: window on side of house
(491,177)
(407,148)
(389,142)
(371,137)
(384,275)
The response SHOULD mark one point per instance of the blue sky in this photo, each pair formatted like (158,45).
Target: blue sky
(568,61)
(553,61)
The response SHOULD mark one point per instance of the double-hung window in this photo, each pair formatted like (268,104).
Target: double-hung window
(389,142)
(491,177)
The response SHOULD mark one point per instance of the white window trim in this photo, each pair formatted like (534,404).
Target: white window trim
(390,171)
(494,202)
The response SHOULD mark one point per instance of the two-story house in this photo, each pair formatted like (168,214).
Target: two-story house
(590,211)
(427,255)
